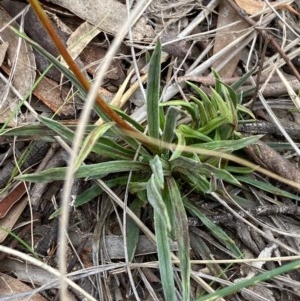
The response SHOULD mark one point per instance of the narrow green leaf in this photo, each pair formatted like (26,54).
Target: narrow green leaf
(197,181)
(158,173)
(188,132)
(29,130)
(154,197)
(212,125)
(219,234)
(128,119)
(243,109)
(170,124)
(110,149)
(154,190)
(268,187)
(236,287)
(91,171)
(132,230)
(180,142)
(90,141)
(221,105)
(164,257)
(153,90)
(202,94)
(204,169)
(242,80)
(232,145)
(58,128)
(95,190)
(180,103)
(182,231)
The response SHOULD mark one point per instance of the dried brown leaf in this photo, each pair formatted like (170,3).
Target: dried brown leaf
(10,285)
(251,7)
(54,97)
(224,37)
(23,73)
(11,217)
(108,16)
(3,50)
(8,201)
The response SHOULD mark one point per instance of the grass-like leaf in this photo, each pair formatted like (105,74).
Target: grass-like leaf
(170,124)
(207,170)
(164,257)
(153,90)
(214,229)
(236,287)
(182,234)
(132,230)
(154,191)
(268,187)
(58,128)
(231,145)
(90,141)
(87,171)
(188,132)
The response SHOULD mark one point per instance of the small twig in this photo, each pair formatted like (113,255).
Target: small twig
(265,127)
(258,211)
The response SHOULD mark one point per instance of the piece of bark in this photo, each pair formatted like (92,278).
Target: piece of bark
(54,97)
(269,159)
(8,201)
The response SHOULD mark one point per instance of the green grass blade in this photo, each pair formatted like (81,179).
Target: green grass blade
(170,124)
(196,167)
(242,80)
(182,233)
(58,128)
(164,257)
(90,141)
(132,230)
(188,132)
(153,90)
(268,187)
(197,181)
(87,171)
(249,282)
(220,235)
(39,130)
(213,125)
(154,191)
(182,104)
(110,149)
(180,142)
(232,145)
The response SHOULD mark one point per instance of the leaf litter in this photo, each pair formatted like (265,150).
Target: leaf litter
(188,31)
